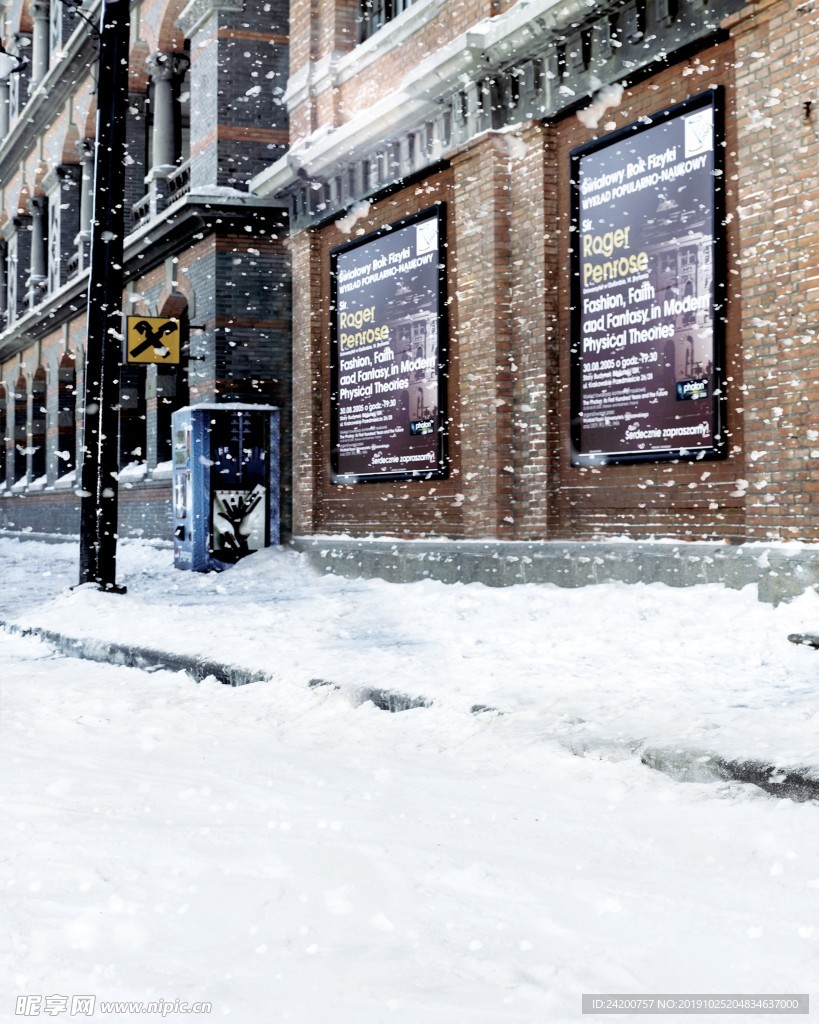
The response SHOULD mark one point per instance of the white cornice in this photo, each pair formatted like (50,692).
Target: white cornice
(519,32)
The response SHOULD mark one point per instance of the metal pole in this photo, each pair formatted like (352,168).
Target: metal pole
(100,465)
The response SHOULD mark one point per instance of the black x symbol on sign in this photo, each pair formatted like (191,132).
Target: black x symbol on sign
(153,338)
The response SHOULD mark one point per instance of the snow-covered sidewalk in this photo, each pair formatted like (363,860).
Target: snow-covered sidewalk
(287,853)
(606,669)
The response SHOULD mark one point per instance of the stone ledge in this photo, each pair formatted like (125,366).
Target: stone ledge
(780,572)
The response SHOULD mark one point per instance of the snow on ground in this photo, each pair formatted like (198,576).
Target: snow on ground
(607,666)
(290,854)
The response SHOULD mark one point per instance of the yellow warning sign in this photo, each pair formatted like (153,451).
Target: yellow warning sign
(152,339)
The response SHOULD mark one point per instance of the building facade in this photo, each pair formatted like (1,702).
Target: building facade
(205,115)
(552,268)
(496,114)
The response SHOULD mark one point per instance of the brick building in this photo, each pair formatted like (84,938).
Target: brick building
(205,115)
(489,113)
(465,423)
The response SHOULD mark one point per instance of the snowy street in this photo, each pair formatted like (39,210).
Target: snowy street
(288,853)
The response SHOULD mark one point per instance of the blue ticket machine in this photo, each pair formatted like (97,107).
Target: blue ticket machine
(225,483)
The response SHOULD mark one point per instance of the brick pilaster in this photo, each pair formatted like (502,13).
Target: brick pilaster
(777,48)
(308,384)
(485,335)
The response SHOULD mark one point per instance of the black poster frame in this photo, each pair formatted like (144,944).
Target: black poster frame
(717,447)
(440,469)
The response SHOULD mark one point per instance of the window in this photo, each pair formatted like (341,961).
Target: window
(132,416)
(3,436)
(67,415)
(171,394)
(374,14)
(12,279)
(63,19)
(63,212)
(19,81)
(172,390)
(20,438)
(37,436)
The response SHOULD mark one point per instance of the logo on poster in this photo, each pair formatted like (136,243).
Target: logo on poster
(699,136)
(688,390)
(426,237)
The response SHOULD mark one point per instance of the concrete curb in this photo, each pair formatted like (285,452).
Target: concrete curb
(145,658)
(690,765)
(685,765)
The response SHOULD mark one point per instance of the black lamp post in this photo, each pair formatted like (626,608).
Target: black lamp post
(100,462)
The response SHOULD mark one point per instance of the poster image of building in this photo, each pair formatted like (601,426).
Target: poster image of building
(683,270)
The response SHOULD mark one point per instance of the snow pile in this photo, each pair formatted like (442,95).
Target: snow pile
(289,854)
(613,665)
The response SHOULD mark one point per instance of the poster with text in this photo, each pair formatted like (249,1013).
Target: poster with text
(648,290)
(388,351)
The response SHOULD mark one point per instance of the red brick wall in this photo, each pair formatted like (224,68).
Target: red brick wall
(303,34)
(690,500)
(484,332)
(777,61)
(508,211)
(533,321)
(507,196)
(398,508)
(309,427)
